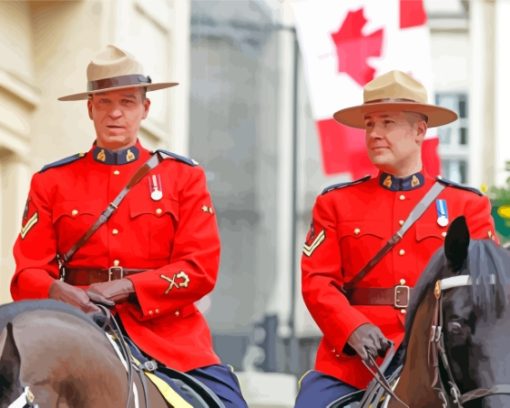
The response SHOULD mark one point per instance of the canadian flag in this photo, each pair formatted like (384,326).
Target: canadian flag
(345,44)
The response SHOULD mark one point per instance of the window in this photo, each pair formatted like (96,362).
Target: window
(454,138)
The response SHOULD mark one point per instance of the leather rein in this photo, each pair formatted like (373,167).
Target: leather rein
(437,352)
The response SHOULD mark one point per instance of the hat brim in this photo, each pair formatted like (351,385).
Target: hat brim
(150,87)
(355,115)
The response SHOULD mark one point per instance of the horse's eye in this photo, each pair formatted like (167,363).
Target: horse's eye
(454,327)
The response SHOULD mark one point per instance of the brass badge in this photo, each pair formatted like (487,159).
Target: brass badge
(437,289)
(101,156)
(205,208)
(387,182)
(129,155)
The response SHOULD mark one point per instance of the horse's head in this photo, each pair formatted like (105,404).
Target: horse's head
(459,306)
(476,317)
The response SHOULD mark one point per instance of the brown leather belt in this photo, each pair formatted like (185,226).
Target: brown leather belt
(87,276)
(398,296)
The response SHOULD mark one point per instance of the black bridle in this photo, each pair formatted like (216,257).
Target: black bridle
(450,394)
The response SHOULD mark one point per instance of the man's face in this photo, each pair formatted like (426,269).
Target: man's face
(394,140)
(117,116)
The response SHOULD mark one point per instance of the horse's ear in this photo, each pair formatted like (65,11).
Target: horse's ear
(9,359)
(456,243)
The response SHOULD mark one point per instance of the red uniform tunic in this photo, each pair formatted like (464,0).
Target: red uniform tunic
(174,238)
(350,224)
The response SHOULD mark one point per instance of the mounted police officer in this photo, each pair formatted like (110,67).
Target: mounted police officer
(369,240)
(133,228)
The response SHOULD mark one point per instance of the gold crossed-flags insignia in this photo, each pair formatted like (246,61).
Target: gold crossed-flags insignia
(308,249)
(178,280)
(28,225)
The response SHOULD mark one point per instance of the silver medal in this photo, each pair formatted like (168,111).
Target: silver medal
(156,195)
(442,221)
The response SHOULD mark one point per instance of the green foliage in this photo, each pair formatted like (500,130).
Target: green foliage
(500,200)
(500,195)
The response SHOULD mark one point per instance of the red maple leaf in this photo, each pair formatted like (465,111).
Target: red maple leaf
(353,47)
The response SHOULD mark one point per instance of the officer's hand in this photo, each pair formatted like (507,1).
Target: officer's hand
(116,291)
(70,294)
(368,339)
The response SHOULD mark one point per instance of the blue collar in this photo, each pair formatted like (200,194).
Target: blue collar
(393,183)
(123,156)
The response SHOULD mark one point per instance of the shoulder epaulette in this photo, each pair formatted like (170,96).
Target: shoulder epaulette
(450,183)
(178,157)
(64,161)
(346,184)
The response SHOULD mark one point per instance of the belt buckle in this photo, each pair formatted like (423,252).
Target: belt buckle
(401,291)
(113,269)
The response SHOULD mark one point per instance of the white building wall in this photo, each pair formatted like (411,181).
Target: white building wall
(502,88)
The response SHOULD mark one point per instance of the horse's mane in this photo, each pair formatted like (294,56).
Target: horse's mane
(485,258)
(9,311)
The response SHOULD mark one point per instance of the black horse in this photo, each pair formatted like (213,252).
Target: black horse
(458,328)
(457,332)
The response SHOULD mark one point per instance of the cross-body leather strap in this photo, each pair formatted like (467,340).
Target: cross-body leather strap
(107,213)
(414,215)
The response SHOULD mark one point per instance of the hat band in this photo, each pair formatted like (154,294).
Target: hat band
(115,82)
(392,100)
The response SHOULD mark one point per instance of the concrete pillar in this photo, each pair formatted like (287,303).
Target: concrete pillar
(502,85)
(481,93)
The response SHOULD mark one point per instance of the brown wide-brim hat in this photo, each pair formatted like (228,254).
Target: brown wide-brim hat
(114,69)
(394,91)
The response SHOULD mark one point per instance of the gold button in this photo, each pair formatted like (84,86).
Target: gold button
(402,281)
(115,231)
(333,350)
(157,311)
(489,233)
(159,211)
(356,231)
(151,312)
(74,213)
(402,197)
(403,311)
(116,262)
(402,252)
(443,234)
(177,313)
(401,222)
(116,172)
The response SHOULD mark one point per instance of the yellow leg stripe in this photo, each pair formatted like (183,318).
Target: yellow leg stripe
(302,377)
(168,393)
